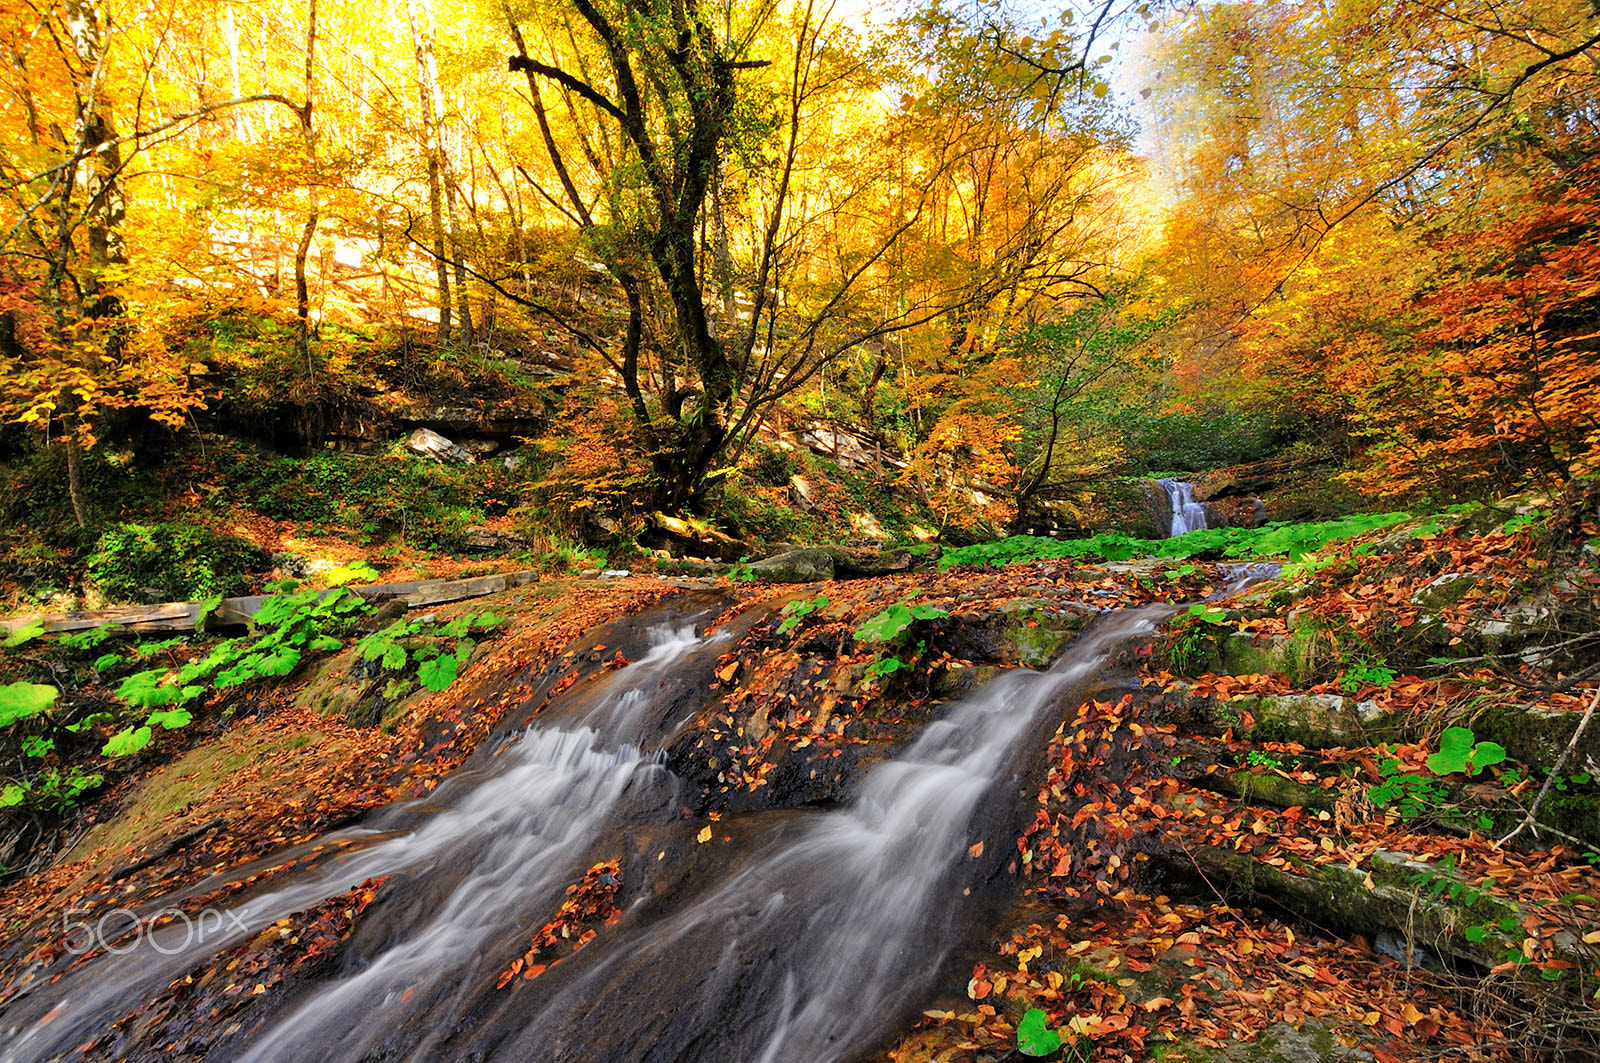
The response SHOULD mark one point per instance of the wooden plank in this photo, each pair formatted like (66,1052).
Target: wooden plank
(180,616)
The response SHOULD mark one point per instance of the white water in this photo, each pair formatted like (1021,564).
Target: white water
(1187,514)
(802,949)
(851,918)
(511,839)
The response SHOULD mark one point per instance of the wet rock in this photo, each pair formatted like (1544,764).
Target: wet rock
(430,444)
(1029,631)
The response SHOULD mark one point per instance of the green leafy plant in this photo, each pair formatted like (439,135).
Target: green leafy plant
(1459,751)
(89,639)
(171,562)
(885,666)
(895,621)
(421,644)
(286,627)
(1208,614)
(1364,673)
(890,629)
(1279,539)
(354,572)
(53,790)
(22,634)
(1410,795)
(1034,1037)
(741,571)
(795,612)
(21,701)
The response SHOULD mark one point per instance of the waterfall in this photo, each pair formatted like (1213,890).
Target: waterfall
(1187,514)
(812,945)
(808,937)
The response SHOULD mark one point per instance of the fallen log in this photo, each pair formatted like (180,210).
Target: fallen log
(236,612)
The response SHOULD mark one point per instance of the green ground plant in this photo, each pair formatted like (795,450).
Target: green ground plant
(156,692)
(891,630)
(1293,541)
(795,613)
(165,562)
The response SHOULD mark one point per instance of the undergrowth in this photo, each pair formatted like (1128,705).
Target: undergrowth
(1293,541)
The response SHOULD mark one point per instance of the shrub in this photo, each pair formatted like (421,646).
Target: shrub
(171,562)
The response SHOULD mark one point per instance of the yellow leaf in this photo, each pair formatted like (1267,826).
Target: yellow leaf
(704,835)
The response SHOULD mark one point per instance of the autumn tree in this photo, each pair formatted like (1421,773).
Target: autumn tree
(1336,163)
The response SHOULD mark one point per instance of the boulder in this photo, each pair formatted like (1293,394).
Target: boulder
(479,538)
(801,493)
(808,564)
(1029,631)
(860,562)
(430,444)
(805,565)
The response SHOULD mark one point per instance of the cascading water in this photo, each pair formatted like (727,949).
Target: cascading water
(808,940)
(810,946)
(1187,514)
(483,848)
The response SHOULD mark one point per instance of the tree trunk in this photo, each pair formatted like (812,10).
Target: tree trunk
(457,257)
(80,507)
(302,290)
(440,185)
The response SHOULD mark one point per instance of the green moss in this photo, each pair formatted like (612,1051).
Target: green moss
(189,780)
(1273,789)
(1303,658)
(1037,646)
(1576,814)
(1182,1052)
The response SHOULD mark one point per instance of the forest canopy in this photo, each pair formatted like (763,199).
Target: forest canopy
(1023,252)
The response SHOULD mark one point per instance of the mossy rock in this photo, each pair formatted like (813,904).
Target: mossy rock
(1574,814)
(1299,657)
(807,565)
(1535,736)
(1316,721)
(1451,588)
(332,690)
(1339,896)
(1269,788)
(1031,632)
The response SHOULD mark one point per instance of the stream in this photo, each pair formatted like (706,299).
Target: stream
(811,937)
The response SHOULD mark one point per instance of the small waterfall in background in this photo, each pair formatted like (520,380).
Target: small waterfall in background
(1187,514)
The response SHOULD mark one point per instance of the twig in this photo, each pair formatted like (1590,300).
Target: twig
(1533,811)
(171,846)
